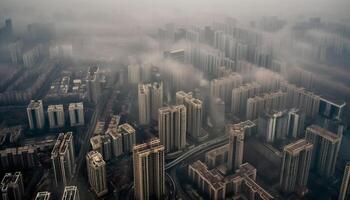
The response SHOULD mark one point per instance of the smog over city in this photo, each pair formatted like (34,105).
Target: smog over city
(186,99)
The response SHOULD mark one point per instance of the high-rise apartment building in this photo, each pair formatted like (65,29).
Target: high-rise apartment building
(235,147)
(194,109)
(296,123)
(129,137)
(265,102)
(149,171)
(326,149)
(296,164)
(172,127)
(273,125)
(103,145)
(150,99)
(240,96)
(43,195)
(134,73)
(63,158)
(71,193)
(344,188)
(12,186)
(94,84)
(35,113)
(56,116)
(76,114)
(96,170)
(222,87)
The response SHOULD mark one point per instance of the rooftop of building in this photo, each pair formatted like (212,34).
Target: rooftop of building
(58,107)
(323,133)
(35,104)
(69,193)
(126,128)
(43,195)
(76,105)
(297,146)
(95,158)
(152,145)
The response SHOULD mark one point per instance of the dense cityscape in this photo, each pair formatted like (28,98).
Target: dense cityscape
(218,106)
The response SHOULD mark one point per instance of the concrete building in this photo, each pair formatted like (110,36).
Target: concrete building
(117,142)
(150,99)
(129,137)
(172,127)
(306,101)
(149,171)
(63,159)
(94,82)
(217,156)
(194,109)
(296,164)
(326,149)
(222,87)
(344,188)
(24,157)
(156,99)
(103,145)
(216,186)
(235,147)
(265,102)
(96,170)
(240,96)
(134,74)
(70,193)
(273,125)
(76,114)
(56,116)
(12,186)
(296,123)
(43,195)
(35,113)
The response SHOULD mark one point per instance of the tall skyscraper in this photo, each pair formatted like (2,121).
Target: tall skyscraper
(194,117)
(144,101)
(117,142)
(43,195)
(56,116)
(63,158)
(96,168)
(149,171)
(129,137)
(273,125)
(93,84)
(344,188)
(240,96)
(134,73)
(222,87)
(326,149)
(266,102)
(296,123)
(150,99)
(172,127)
(102,144)
(296,164)
(70,193)
(156,99)
(194,109)
(76,114)
(236,147)
(12,186)
(35,113)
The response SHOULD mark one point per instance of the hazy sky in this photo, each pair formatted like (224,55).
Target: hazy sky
(160,11)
